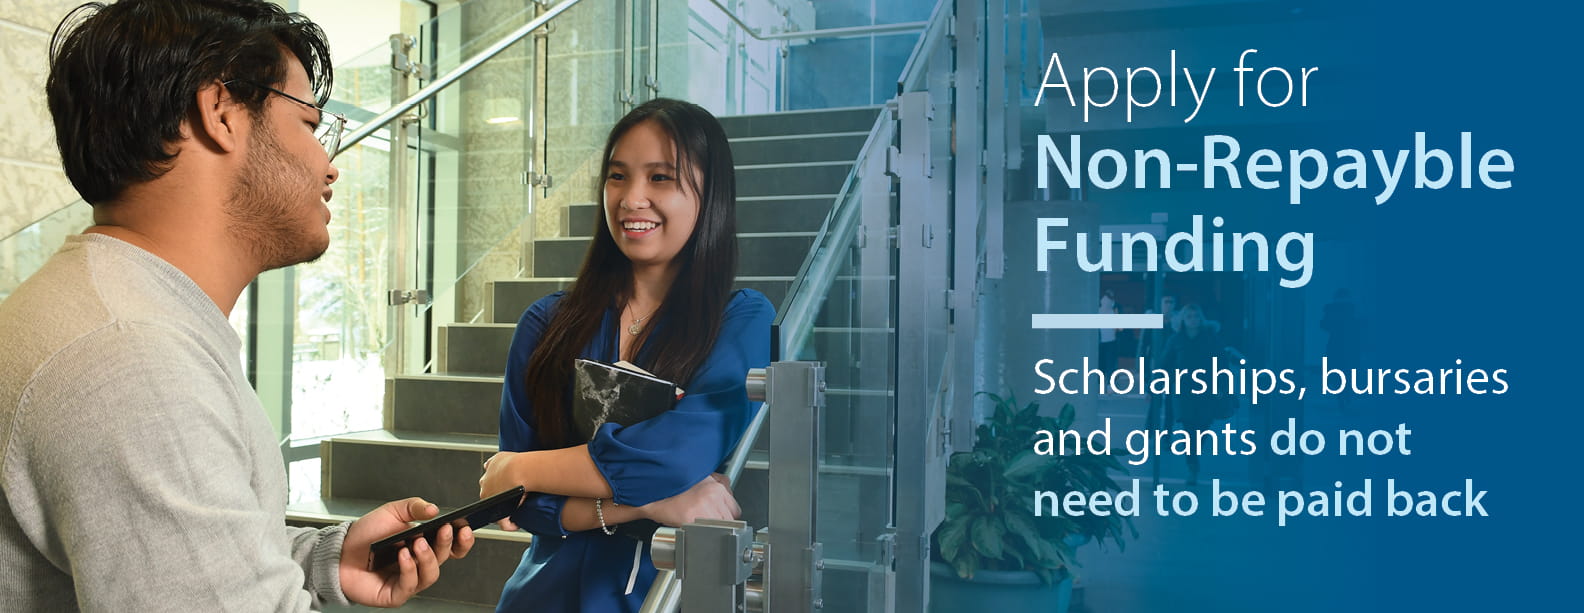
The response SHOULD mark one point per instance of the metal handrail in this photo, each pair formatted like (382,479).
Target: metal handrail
(444,81)
(888,28)
(926,43)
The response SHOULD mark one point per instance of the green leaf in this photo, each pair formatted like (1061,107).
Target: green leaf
(987,535)
(957,480)
(1028,535)
(1027,464)
(1029,412)
(966,565)
(952,535)
(1068,414)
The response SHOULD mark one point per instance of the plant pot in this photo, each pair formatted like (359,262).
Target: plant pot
(996,590)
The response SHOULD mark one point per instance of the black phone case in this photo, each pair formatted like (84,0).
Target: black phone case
(475,516)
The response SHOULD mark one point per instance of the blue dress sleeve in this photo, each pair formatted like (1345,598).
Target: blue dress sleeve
(540,514)
(666,455)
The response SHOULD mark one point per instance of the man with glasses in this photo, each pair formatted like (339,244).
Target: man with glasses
(138,470)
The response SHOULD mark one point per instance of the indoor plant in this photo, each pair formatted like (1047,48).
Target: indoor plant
(991,546)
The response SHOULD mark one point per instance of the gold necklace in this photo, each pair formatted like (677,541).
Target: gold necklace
(636,326)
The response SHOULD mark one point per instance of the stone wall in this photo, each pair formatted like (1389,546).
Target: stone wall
(32,184)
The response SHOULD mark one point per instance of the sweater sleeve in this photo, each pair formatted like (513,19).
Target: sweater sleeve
(664,456)
(147,484)
(318,552)
(540,514)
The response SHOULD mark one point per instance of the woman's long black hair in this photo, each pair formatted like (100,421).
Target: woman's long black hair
(689,320)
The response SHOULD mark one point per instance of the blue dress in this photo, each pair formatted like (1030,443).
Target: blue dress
(645,462)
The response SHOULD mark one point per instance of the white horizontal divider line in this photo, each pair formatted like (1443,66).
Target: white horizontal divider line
(1095,321)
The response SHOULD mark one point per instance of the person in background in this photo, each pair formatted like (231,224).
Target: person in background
(140,472)
(1344,341)
(1192,347)
(656,290)
(1152,345)
(1108,336)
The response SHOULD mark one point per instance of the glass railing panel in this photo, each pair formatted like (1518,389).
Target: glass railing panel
(460,33)
(475,149)
(341,326)
(589,68)
(935,79)
(842,313)
(707,55)
(24,252)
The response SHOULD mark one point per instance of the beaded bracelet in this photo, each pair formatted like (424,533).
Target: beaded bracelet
(600,513)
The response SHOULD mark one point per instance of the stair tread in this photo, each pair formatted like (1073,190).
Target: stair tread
(787,197)
(466,377)
(802,234)
(569,279)
(479,324)
(828,110)
(781,137)
(767,165)
(444,440)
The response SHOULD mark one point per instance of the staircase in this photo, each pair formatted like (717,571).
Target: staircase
(442,426)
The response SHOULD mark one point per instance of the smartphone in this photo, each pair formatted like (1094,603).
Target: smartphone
(475,516)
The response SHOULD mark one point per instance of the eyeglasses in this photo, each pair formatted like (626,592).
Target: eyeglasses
(330,124)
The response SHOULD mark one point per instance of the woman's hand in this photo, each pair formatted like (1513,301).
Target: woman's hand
(499,475)
(707,499)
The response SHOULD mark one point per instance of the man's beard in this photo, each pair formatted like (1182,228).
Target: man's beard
(263,210)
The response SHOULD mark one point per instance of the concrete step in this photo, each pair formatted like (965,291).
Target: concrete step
(465,404)
(474,348)
(390,465)
(757,215)
(783,148)
(469,404)
(508,298)
(822,121)
(511,297)
(481,348)
(469,584)
(758,255)
(806,178)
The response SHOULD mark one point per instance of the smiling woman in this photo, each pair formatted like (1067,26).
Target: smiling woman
(654,289)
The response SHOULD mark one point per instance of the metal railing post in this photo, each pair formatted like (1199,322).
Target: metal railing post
(401,215)
(798,388)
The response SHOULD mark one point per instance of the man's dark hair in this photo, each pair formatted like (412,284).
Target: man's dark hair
(124,76)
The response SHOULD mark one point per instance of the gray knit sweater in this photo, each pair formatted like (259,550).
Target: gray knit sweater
(139,471)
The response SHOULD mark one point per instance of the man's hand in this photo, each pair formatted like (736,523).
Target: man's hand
(417,567)
(707,499)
